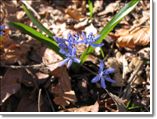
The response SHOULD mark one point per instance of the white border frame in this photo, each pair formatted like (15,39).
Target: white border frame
(145,114)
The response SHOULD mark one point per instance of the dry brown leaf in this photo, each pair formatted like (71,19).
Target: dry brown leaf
(20,15)
(10,83)
(27,104)
(139,36)
(74,13)
(13,52)
(144,53)
(91,108)
(81,25)
(50,56)
(62,91)
(109,8)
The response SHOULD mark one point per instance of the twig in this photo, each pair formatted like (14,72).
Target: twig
(39,99)
(33,76)
(35,66)
(88,69)
(51,105)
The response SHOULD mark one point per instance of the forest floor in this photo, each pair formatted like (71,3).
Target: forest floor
(32,82)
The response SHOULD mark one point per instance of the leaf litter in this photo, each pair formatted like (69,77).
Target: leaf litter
(46,88)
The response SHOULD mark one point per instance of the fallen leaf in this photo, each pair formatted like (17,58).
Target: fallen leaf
(10,83)
(119,102)
(81,25)
(12,52)
(144,53)
(114,63)
(20,15)
(139,36)
(50,56)
(74,13)
(91,108)
(109,8)
(28,103)
(63,94)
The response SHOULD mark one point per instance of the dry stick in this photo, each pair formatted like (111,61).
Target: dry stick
(34,77)
(39,99)
(130,81)
(35,66)
(51,105)
(89,70)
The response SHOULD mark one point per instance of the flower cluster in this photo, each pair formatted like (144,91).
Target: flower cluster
(68,46)
(103,75)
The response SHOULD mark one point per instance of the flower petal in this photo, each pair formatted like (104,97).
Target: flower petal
(84,36)
(103,84)
(63,62)
(95,79)
(76,60)
(97,37)
(69,63)
(101,66)
(96,45)
(110,80)
(109,71)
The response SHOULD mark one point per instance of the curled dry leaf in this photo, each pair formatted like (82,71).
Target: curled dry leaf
(139,36)
(63,94)
(91,108)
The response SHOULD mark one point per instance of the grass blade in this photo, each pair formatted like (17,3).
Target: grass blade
(90,6)
(36,22)
(109,27)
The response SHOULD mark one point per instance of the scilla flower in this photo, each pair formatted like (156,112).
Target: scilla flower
(91,39)
(103,75)
(67,48)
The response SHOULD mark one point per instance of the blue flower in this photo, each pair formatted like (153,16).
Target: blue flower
(103,75)
(91,39)
(70,57)
(67,48)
